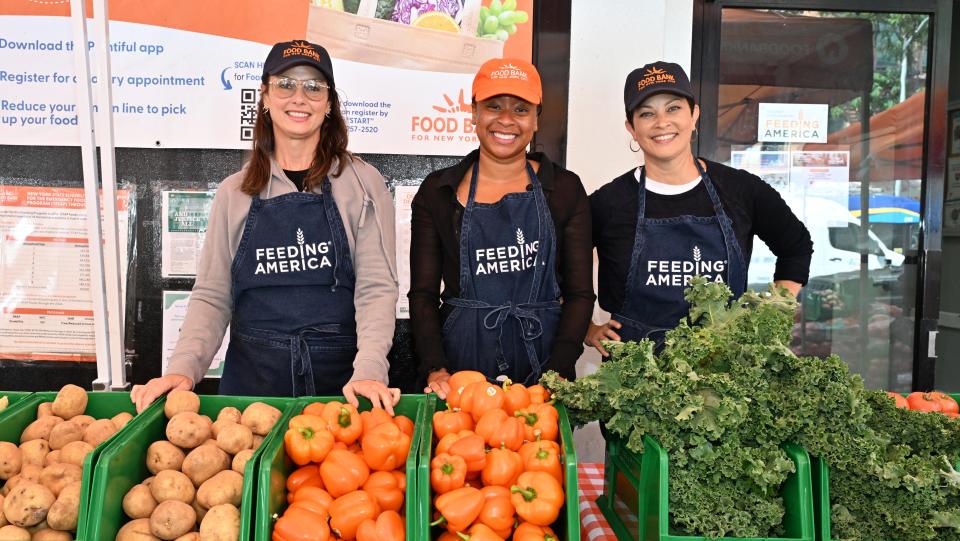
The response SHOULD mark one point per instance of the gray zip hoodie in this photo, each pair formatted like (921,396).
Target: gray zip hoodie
(366,208)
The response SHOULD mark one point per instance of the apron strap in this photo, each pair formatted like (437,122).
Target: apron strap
(300,362)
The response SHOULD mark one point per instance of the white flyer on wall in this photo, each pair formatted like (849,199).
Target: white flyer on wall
(403,197)
(184,216)
(793,122)
(174,311)
(824,174)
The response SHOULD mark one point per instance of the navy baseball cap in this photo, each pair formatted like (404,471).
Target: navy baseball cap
(655,78)
(286,54)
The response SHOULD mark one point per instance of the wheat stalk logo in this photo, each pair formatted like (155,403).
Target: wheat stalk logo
(303,257)
(696,253)
(520,237)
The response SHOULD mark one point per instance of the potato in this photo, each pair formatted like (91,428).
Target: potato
(139,502)
(137,530)
(27,504)
(52,457)
(200,510)
(229,413)
(188,430)
(235,438)
(204,462)
(70,402)
(10,484)
(257,441)
(57,476)
(10,460)
(63,513)
(179,401)
(121,419)
(224,487)
(31,472)
(34,451)
(212,442)
(3,520)
(83,420)
(163,455)
(192,536)
(222,523)
(40,429)
(49,534)
(172,485)
(45,409)
(65,433)
(99,431)
(260,418)
(219,425)
(74,453)
(171,519)
(148,481)
(14,533)
(240,460)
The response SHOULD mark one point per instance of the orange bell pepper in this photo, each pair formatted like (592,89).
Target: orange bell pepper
(307,439)
(315,495)
(480,397)
(343,420)
(515,396)
(542,420)
(472,450)
(405,424)
(385,447)
(497,512)
(401,479)
(458,508)
(349,510)
(447,472)
(501,430)
(537,497)
(443,446)
(533,447)
(502,468)
(385,488)
(388,527)
(447,536)
(299,524)
(373,418)
(480,532)
(544,458)
(304,476)
(343,472)
(458,381)
(531,532)
(451,422)
(538,394)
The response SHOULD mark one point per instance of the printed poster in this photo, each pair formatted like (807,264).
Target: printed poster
(772,166)
(174,311)
(824,174)
(185,75)
(792,122)
(403,198)
(184,215)
(46,309)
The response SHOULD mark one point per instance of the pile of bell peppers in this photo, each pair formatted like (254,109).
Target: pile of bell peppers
(497,469)
(351,481)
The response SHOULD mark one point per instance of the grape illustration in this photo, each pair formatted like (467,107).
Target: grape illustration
(500,19)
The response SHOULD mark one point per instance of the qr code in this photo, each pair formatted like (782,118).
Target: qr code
(248,112)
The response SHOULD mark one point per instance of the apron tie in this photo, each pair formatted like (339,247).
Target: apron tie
(300,361)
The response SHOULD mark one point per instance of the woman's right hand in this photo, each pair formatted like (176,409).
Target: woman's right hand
(596,333)
(144,395)
(437,383)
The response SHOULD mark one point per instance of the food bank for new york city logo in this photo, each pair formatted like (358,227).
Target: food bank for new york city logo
(508,258)
(678,273)
(301,48)
(655,76)
(508,71)
(451,121)
(302,256)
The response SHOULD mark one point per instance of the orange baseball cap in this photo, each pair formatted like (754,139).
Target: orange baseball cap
(508,76)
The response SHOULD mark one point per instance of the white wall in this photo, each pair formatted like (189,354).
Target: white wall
(608,39)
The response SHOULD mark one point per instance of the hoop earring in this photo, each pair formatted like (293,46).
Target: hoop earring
(266,109)
(632,141)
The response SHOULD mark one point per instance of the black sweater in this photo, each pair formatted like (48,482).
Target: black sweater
(755,207)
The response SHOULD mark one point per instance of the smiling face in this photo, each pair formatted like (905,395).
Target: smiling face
(296,116)
(505,125)
(663,126)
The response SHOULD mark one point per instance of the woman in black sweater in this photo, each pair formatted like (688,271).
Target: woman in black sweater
(678,216)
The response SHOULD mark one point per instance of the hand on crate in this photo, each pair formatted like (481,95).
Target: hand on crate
(379,394)
(437,382)
(144,395)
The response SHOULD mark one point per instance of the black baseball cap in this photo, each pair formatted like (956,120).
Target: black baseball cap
(287,54)
(655,78)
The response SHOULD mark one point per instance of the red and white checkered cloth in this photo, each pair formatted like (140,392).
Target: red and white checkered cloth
(593,525)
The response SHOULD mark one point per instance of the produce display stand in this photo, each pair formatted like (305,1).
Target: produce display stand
(275,465)
(567,526)
(640,482)
(100,405)
(13,397)
(122,464)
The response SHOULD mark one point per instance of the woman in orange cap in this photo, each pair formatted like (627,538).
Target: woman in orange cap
(507,233)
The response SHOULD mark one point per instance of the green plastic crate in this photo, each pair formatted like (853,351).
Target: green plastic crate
(100,405)
(123,463)
(640,483)
(275,466)
(567,526)
(13,397)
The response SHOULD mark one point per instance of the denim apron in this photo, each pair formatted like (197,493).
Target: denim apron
(667,253)
(293,331)
(505,320)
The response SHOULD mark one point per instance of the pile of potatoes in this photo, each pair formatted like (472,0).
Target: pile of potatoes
(197,473)
(40,498)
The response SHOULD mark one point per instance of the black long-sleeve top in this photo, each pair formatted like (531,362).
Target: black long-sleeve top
(754,206)
(435,257)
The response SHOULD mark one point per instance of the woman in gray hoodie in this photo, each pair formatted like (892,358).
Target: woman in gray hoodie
(299,257)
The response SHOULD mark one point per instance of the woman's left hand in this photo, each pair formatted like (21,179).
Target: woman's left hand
(379,394)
